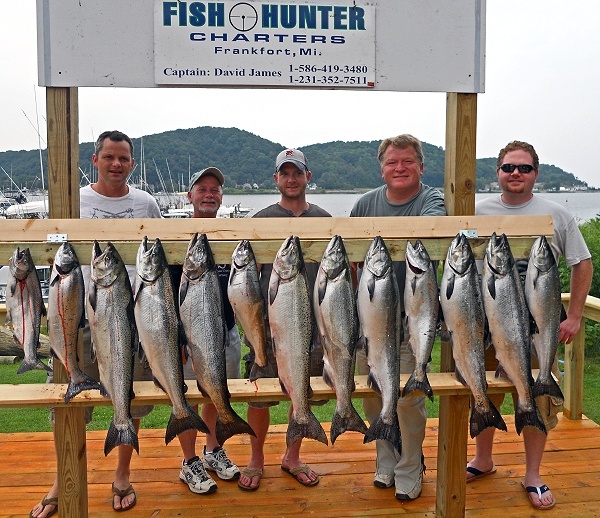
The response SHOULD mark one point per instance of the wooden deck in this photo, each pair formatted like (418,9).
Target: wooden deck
(571,468)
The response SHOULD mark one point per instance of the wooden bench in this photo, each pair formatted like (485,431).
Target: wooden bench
(266,236)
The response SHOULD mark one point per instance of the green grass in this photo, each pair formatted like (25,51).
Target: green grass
(36,419)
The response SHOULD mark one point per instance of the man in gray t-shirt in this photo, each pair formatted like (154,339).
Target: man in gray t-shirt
(292,176)
(403,194)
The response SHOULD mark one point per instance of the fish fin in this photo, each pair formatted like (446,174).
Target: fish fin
(158,384)
(28,365)
(460,377)
(450,286)
(481,420)
(531,417)
(54,278)
(340,424)
(273,288)
(192,421)
(549,388)
(372,383)
(371,287)
(257,372)
(75,388)
(501,373)
(491,286)
(8,319)
(413,285)
(183,289)
(327,377)
(43,310)
(115,437)
(311,430)
(92,293)
(322,287)
(284,390)
(202,391)
(413,385)
(238,426)
(388,432)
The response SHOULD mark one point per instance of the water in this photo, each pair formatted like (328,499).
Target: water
(583,205)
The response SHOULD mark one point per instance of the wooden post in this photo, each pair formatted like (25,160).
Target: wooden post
(63,199)
(460,171)
(450,497)
(573,377)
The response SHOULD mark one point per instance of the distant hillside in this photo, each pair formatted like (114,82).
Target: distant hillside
(246,158)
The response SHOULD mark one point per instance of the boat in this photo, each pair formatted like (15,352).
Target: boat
(225,211)
(37,209)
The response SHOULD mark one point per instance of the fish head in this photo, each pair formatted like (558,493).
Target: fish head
(417,257)
(199,257)
(378,260)
(335,259)
(151,262)
(460,256)
(541,255)
(21,264)
(106,264)
(498,255)
(289,260)
(65,260)
(243,255)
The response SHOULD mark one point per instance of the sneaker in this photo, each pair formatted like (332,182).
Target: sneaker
(195,476)
(218,462)
(383,481)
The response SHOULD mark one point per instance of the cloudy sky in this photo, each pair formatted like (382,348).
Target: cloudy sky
(542,86)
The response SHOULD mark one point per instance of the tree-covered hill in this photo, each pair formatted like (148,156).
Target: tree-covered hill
(168,158)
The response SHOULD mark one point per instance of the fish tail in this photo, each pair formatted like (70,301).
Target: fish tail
(257,372)
(116,436)
(549,388)
(340,424)
(531,417)
(480,420)
(413,385)
(86,383)
(312,430)
(389,432)
(191,421)
(238,426)
(29,365)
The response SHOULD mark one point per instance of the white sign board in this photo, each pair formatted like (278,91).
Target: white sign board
(396,45)
(260,44)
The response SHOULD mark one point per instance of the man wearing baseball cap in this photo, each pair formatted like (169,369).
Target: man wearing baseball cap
(205,194)
(292,177)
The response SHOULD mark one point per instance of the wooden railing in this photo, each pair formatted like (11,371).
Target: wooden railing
(266,236)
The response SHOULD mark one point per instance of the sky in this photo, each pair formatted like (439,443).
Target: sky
(542,85)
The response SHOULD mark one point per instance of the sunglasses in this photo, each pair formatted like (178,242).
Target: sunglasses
(523,168)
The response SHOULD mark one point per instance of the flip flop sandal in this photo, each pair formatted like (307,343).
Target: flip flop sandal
(122,493)
(48,501)
(304,468)
(250,473)
(539,491)
(477,473)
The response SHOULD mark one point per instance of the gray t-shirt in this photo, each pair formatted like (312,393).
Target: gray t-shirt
(567,240)
(277,211)
(427,202)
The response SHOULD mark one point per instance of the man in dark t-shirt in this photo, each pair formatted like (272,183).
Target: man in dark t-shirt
(292,177)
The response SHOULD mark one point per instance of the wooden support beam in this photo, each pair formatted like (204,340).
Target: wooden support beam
(452,455)
(460,170)
(62,114)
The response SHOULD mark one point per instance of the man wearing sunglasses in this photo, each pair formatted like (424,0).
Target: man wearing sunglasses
(517,169)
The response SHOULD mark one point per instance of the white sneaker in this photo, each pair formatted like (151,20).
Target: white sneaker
(195,476)
(383,481)
(415,492)
(218,462)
